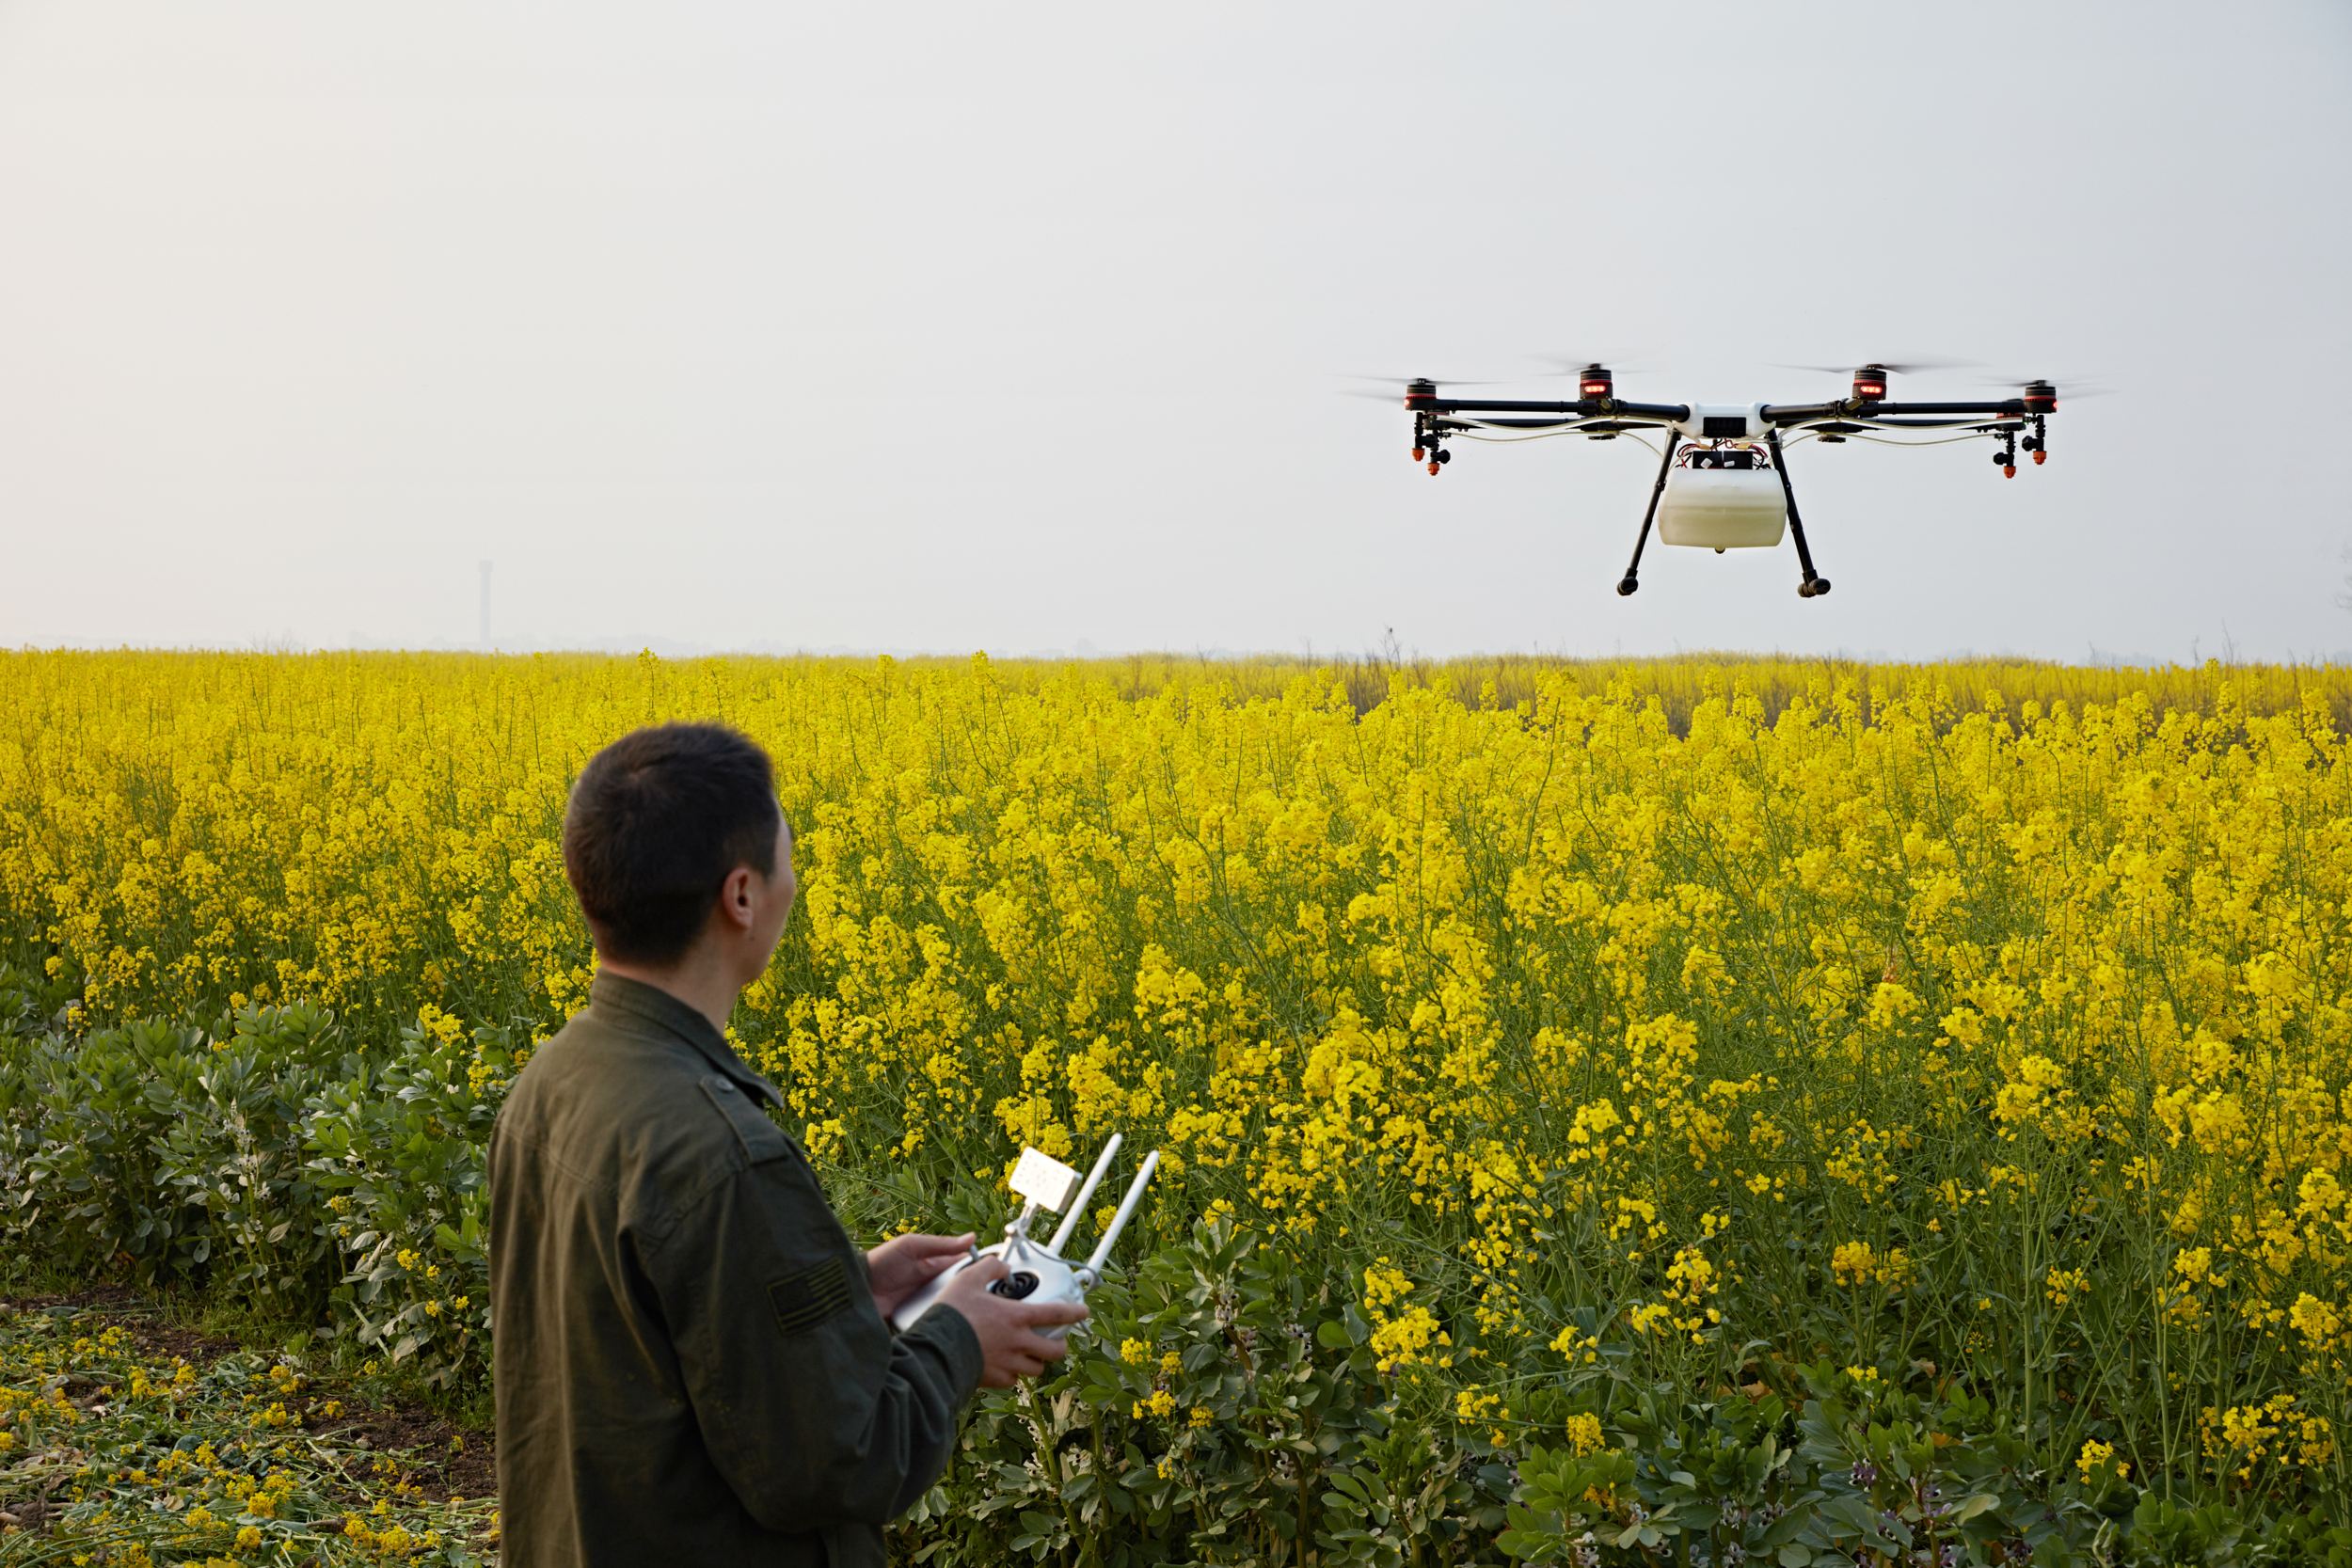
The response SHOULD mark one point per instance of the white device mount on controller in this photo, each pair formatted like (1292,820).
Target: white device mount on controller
(1036,1270)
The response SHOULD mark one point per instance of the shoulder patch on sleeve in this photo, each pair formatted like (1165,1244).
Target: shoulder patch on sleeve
(808,1297)
(761,1139)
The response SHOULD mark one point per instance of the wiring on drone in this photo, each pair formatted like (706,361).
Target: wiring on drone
(1939,441)
(1519,435)
(1636,438)
(1522,436)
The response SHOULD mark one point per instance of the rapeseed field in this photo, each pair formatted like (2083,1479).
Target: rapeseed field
(1611,1112)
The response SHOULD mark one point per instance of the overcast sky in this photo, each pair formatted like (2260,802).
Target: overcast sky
(934,327)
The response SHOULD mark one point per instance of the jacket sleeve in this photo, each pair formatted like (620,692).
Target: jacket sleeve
(813,1410)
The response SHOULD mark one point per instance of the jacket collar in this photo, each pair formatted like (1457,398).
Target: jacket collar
(649,1010)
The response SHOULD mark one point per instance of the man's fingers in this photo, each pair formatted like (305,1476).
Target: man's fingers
(1048,1314)
(990,1267)
(940,1246)
(1027,1357)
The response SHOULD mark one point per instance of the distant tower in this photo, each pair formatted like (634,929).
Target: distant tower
(485,606)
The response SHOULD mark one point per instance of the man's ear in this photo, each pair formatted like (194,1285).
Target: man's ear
(735,898)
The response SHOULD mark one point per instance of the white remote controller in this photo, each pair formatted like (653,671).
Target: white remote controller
(1037,1272)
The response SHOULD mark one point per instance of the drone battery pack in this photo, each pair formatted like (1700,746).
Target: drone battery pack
(1722,509)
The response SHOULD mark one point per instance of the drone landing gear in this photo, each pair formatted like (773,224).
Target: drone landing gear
(1812,587)
(1627,583)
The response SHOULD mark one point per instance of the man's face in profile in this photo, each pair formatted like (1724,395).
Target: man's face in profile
(772,896)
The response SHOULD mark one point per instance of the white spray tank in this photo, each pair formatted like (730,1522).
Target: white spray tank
(1037,1272)
(1723,494)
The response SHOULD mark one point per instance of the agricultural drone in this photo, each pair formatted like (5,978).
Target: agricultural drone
(1723,477)
(1037,1272)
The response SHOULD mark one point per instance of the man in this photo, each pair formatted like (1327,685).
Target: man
(692,1364)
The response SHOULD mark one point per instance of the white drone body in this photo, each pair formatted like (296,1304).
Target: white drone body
(1037,1272)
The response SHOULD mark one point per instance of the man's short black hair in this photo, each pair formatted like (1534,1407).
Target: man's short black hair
(657,821)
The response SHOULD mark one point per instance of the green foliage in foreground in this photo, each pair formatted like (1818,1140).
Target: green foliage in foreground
(1228,1407)
(113,1452)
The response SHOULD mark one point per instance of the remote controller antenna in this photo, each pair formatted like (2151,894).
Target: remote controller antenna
(1078,1204)
(1094,1270)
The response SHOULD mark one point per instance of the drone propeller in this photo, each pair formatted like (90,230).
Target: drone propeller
(1401,382)
(1441,380)
(1595,373)
(1908,367)
(2069,387)
(1577,364)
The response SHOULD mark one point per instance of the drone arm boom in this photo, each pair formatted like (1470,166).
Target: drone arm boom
(2011,407)
(1784,415)
(1582,409)
(1609,424)
(1978,423)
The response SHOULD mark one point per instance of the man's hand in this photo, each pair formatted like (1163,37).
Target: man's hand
(1010,1346)
(904,1264)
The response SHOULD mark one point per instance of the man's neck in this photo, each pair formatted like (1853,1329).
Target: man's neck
(705,986)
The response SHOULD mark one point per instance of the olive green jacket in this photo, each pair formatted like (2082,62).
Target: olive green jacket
(689,1364)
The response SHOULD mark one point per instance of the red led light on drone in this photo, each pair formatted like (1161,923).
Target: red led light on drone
(1594,383)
